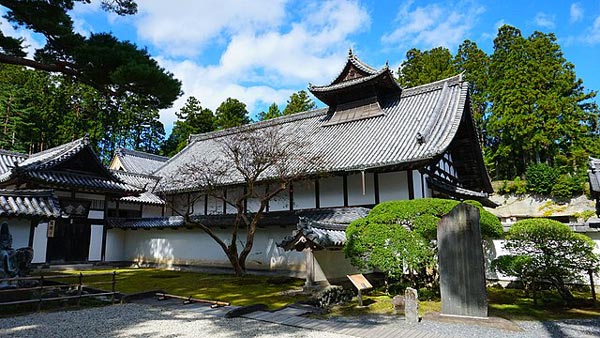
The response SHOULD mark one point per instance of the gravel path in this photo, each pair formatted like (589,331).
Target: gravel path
(135,320)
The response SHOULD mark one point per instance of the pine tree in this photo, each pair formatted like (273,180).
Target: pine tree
(231,113)
(272,113)
(299,102)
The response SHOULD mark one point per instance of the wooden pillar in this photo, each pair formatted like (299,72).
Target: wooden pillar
(376,187)
(411,185)
(317,194)
(345,187)
(32,225)
(104,230)
(291,196)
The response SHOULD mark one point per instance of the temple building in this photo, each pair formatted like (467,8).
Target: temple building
(377,142)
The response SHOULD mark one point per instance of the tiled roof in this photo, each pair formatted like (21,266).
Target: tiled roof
(43,167)
(348,83)
(320,233)
(143,182)
(8,160)
(29,203)
(594,175)
(433,111)
(139,162)
(326,216)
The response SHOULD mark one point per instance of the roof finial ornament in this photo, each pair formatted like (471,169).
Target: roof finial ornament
(350,53)
(86,138)
(387,64)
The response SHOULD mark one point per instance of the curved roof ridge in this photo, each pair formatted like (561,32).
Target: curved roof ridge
(347,83)
(139,153)
(259,125)
(13,153)
(129,173)
(452,80)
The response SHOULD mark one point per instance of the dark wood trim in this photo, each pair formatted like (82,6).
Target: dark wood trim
(224,202)
(206,204)
(266,193)
(245,200)
(422,185)
(103,250)
(345,188)
(411,185)
(141,210)
(162,212)
(291,196)
(189,199)
(317,194)
(376,187)
(32,225)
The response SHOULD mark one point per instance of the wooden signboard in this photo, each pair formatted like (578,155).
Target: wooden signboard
(361,283)
(51,225)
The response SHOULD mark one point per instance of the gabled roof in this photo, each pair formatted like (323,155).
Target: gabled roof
(327,231)
(143,182)
(8,160)
(29,203)
(134,161)
(434,111)
(72,164)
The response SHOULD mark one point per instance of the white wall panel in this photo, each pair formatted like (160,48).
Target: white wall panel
(40,242)
(331,191)
(304,194)
(95,242)
(115,244)
(393,186)
(355,189)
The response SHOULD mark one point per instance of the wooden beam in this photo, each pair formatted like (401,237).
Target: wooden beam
(345,187)
(291,196)
(317,194)
(32,224)
(411,185)
(376,187)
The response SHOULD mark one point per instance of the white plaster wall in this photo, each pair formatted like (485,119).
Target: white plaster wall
(417,184)
(194,247)
(155,210)
(232,195)
(355,189)
(129,206)
(115,244)
(214,206)
(331,191)
(393,186)
(280,201)
(96,214)
(19,229)
(40,242)
(304,194)
(179,204)
(95,252)
(330,265)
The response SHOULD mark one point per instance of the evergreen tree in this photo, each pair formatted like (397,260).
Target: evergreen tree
(272,113)
(113,67)
(425,67)
(231,113)
(193,119)
(299,102)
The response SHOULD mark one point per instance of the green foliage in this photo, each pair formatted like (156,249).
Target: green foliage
(272,113)
(298,102)
(547,250)
(396,236)
(514,187)
(114,68)
(585,215)
(425,67)
(193,119)
(566,187)
(231,113)
(541,179)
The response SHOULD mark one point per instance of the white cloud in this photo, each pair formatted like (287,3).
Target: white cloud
(32,41)
(186,28)
(263,66)
(544,20)
(592,35)
(576,12)
(433,25)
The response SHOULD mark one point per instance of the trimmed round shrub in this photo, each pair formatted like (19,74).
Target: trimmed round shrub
(541,178)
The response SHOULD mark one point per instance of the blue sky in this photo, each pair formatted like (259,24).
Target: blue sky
(262,51)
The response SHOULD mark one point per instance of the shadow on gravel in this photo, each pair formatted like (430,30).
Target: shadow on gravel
(573,328)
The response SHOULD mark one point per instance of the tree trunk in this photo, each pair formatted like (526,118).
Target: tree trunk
(563,290)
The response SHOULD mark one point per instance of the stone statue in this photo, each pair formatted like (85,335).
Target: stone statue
(13,262)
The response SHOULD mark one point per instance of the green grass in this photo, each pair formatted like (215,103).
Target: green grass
(240,291)
(505,303)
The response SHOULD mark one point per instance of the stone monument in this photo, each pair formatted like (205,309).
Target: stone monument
(461,263)
(411,306)
(13,262)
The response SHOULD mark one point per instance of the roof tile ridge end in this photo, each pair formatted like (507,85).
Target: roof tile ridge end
(435,85)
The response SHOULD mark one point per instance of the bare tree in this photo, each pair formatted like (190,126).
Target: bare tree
(261,163)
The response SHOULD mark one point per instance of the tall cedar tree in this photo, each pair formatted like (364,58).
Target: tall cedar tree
(115,68)
(299,102)
(526,99)
(231,113)
(272,113)
(193,119)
